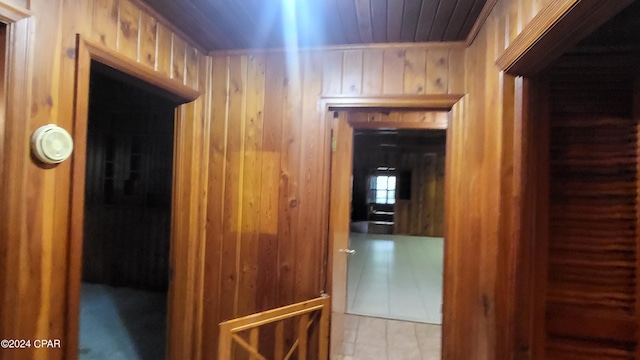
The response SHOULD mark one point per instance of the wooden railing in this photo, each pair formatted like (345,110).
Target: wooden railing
(308,312)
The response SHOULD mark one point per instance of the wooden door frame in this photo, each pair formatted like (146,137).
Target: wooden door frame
(183,330)
(454,104)
(557,27)
(14,152)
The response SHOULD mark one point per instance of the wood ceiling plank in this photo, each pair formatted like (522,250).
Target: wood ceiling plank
(410,18)
(257,24)
(229,13)
(310,17)
(379,20)
(266,19)
(333,22)
(347,9)
(457,20)
(475,11)
(425,21)
(363,12)
(194,23)
(443,17)
(395,9)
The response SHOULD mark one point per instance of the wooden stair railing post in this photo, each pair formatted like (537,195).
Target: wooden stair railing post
(253,340)
(279,351)
(325,314)
(303,333)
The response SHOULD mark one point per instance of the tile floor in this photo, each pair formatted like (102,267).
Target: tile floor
(396,277)
(369,338)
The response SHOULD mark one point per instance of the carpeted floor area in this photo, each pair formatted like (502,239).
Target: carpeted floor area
(121,323)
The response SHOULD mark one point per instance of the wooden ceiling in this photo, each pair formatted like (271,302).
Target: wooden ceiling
(244,24)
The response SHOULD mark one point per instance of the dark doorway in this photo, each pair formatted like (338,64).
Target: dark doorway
(587,264)
(127,221)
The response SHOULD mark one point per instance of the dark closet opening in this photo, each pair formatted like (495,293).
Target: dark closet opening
(127,223)
(587,259)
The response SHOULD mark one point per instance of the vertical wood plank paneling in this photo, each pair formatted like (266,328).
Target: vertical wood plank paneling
(251,185)
(164,50)
(352,72)
(415,71)
(215,205)
(148,40)
(45,199)
(39,281)
(331,72)
(437,72)
(105,22)
(233,190)
(52,28)
(270,178)
(191,67)
(393,71)
(372,71)
(128,29)
(289,192)
(456,72)
(308,261)
(178,59)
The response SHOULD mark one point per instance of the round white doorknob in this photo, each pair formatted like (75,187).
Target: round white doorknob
(51,144)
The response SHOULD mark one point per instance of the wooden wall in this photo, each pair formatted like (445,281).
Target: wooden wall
(268,153)
(423,214)
(415,155)
(480,231)
(36,200)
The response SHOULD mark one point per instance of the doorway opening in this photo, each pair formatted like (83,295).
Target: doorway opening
(127,218)
(586,120)
(391,212)
(397,224)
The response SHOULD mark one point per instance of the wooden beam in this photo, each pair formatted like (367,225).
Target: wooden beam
(10,14)
(443,102)
(556,28)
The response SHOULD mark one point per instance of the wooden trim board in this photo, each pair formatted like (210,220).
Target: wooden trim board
(333,189)
(556,28)
(88,51)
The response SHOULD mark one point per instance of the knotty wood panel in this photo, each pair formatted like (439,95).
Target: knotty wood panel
(40,208)
(290,153)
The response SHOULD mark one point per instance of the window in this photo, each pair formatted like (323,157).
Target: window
(382,187)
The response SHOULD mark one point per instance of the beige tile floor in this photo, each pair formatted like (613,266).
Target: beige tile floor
(396,277)
(369,338)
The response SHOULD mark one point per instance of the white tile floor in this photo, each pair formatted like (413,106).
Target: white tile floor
(396,277)
(368,338)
